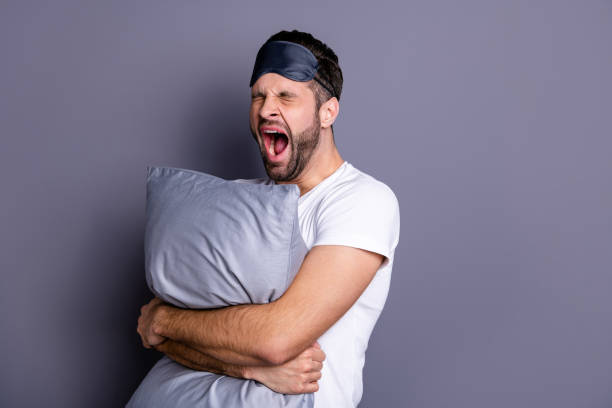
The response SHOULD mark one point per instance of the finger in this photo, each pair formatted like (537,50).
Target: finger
(318,355)
(316,344)
(316,366)
(311,387)
(142,338)
(307,353)
(311,377)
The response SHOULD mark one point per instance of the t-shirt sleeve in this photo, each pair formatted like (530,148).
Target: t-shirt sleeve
(365,216)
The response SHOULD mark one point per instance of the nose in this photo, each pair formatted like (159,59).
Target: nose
(269,108)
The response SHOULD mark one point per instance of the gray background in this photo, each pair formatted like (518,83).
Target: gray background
(491,121)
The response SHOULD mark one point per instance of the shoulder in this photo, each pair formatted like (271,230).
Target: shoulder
(357,189)
(359,211)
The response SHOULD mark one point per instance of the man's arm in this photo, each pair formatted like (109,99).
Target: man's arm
(297,376)
(330,280)
(196,360)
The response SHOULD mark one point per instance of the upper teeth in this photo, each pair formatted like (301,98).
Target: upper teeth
(270,131)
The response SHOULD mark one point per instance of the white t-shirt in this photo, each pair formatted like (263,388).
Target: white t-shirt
(349,208)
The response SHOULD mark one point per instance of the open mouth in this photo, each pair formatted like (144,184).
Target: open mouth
(275,140)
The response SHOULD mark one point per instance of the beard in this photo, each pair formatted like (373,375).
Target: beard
(302,146)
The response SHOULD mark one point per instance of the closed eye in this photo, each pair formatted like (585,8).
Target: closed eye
(257,95)
(287,95)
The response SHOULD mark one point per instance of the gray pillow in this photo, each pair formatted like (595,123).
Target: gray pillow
(211,243)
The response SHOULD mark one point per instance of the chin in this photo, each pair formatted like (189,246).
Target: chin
(275,173)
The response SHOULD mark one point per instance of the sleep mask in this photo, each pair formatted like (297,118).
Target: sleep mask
(291,60)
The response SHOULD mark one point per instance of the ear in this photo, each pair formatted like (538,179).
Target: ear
(329,112)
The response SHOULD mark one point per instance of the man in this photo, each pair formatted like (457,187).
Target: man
(349,221)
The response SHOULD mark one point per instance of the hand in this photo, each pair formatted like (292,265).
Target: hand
(146,323)
(297,376)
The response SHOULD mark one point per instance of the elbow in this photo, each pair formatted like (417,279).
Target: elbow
(277,350)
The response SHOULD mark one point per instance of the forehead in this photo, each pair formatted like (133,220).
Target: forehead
(272,82)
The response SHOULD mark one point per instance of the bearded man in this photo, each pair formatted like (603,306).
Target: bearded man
(349,221)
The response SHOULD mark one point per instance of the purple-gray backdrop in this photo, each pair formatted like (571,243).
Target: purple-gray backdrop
(491,121)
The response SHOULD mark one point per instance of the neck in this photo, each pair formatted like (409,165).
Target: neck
(324,161)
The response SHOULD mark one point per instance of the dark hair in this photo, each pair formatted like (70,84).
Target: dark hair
(329,71)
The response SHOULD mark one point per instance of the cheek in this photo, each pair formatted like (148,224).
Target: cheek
(303,121)
(298,119)
(253,118)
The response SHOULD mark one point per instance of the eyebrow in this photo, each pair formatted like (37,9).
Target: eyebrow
(282,94)
(287,94)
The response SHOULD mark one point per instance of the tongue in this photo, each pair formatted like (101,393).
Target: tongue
(279,144)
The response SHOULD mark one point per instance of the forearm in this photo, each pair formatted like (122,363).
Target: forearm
(297,376)
(239,335)
(196,360)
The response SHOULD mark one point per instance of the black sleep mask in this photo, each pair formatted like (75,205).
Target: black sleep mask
(291,60)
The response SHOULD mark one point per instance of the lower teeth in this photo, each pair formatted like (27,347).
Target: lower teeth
(272,147)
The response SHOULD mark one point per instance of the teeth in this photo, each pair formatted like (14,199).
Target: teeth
(270,131)
(272,147)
